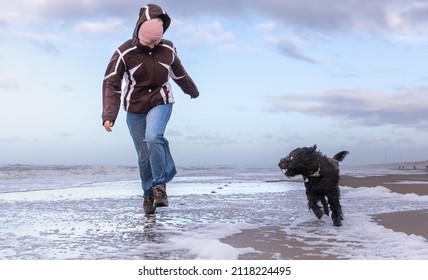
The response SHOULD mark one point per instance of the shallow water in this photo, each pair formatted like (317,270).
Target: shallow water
(105,220)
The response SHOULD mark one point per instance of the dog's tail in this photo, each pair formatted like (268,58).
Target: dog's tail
(340,156)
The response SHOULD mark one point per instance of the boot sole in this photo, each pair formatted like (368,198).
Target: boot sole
(161,204)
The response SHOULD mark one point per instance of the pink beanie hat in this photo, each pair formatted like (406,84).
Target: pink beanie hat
(151,31)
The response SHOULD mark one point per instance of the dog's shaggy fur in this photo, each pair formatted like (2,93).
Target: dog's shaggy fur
(321,176)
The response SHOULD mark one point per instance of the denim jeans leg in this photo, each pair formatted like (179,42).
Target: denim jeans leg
(137,128)
(161,161)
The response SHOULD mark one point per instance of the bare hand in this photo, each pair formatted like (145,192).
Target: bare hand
(108,126)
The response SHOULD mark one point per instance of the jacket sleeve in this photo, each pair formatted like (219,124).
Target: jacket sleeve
(112,88)
(182,79)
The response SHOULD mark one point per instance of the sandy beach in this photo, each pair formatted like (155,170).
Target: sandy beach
(409,222)
(277,244)
(248,213)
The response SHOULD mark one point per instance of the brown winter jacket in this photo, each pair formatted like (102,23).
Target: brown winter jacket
(146,72)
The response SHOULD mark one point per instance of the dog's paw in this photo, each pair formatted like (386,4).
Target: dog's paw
(318,213)
(337,219)
(337,223)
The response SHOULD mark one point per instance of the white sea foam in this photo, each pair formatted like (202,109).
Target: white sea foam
(204,243)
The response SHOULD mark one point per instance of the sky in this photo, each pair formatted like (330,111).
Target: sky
(273,75)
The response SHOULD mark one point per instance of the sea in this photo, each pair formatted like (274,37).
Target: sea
(61,212)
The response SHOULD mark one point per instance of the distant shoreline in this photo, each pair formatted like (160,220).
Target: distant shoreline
(388,165)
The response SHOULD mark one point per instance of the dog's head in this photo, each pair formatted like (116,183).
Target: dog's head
(300,161)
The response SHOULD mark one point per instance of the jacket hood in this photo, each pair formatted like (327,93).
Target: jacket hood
(149,12)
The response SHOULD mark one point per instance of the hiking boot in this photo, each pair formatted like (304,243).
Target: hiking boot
(161,199)
(148,205)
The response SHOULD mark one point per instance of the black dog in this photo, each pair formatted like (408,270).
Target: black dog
(321,176)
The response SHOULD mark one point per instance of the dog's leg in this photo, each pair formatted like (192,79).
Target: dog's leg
(313,205)
(325,206)
(313,201)
(336,209)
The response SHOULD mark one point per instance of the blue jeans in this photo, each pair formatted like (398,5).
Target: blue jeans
(154,157)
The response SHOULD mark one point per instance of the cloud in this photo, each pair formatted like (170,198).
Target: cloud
(206,33)
(391,16)
(414,14)
(287,43)
(3,24)
(405,21)
(6,83)
(363,107)
(7,140)
(99,27)
(326,15)
(67,88)
(291,50)
(379,16)
(267,26)
(45,45)
(80,9)
(42,41)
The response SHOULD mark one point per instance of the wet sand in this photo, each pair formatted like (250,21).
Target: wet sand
(276,244)
(409,222)
(399,183)
(271,243)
